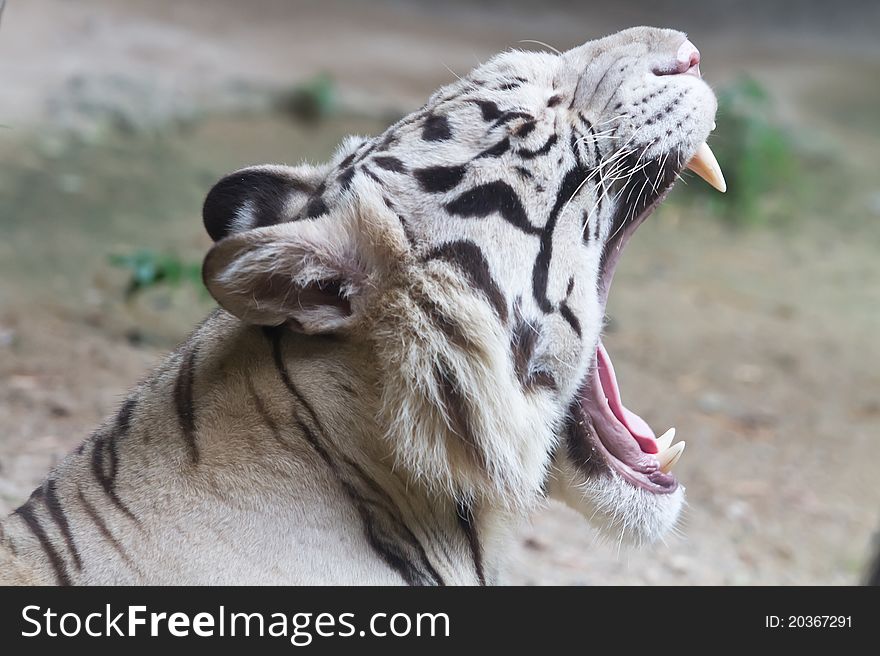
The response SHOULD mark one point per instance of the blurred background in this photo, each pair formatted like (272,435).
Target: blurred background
(748,321)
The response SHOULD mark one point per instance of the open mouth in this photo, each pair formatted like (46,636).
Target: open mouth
(626,441)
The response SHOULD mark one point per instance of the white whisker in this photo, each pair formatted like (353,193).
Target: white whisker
(541,43)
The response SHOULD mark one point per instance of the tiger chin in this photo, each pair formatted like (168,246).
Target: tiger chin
(407,358)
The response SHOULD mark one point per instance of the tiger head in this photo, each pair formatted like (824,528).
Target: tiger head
(469,250)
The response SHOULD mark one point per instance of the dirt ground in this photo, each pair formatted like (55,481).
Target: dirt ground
(759,345)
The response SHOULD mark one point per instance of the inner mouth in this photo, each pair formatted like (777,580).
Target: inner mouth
(626,441)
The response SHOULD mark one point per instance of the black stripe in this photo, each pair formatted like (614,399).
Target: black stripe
(390,163)
(524,172)
(591,171)
(457,411)
(274,334)
(525,129)
(123,418)
(183,400)
(387,550)
(366,169)
(345,177)
(30,519)
(390,508)
(267,419)
(497,150)
(586,232)
(608,70)
(105,457)
(525,153)
(436,179)
(592,131)
(403,222)
(506,117)
(371,146)
(514,83)
(396,559)
(56,512)
(107,479)
(348,160)
(446,324)
(572,320)
(102,527)
(489,109)
(465,516)
(436,128)
(570,184)
(523,341)
(469,259)
(387,142)
(597,182)
(491,198)
(315,208)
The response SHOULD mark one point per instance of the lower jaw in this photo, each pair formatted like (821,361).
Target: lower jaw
(655,483)
(650,479)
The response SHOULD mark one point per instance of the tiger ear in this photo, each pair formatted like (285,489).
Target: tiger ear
(263,195)
(307,274)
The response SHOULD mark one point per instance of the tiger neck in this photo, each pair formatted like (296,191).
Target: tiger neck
(321,394)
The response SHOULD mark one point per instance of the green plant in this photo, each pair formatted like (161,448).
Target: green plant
(757,156)
(311,100)
(150,269)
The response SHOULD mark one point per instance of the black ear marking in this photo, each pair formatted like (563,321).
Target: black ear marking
(250,198)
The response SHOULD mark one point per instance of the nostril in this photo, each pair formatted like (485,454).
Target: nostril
(687,61)
(688,56)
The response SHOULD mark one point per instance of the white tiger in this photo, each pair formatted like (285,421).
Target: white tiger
(407,361)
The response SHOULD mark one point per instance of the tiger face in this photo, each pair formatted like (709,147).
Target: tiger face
(469,251)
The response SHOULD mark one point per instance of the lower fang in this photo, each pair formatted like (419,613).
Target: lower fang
(670,456)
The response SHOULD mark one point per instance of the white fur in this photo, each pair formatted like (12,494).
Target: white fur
(273,496)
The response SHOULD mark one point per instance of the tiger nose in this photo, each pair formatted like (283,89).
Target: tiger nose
(688,59)
(686,62)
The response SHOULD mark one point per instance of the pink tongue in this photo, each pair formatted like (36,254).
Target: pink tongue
(633,423)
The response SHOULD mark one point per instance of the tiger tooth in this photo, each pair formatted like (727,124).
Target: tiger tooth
(665,440)
(704,164)
(670,456)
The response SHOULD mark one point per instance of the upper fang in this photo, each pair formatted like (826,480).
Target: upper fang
(704,164)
